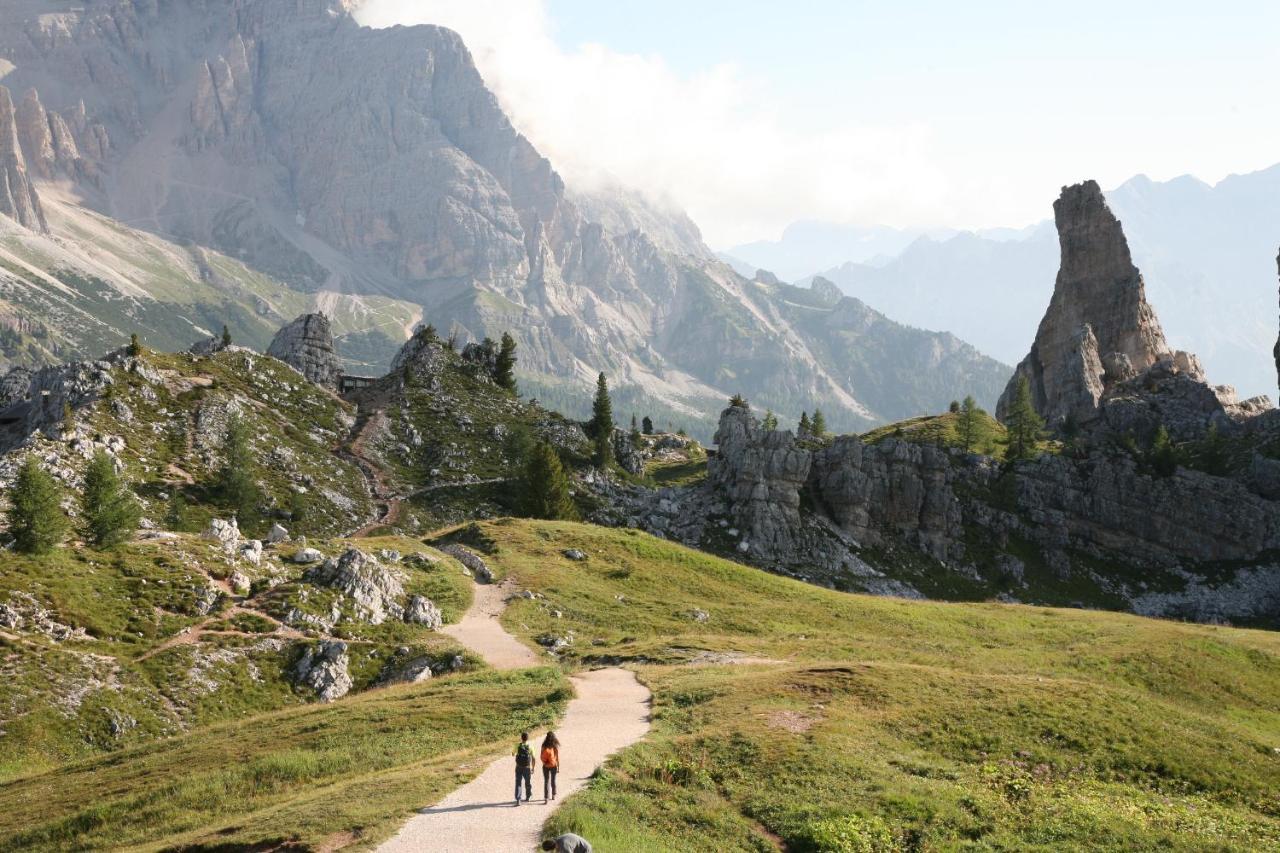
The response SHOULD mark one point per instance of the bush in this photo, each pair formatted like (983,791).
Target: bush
(850,834)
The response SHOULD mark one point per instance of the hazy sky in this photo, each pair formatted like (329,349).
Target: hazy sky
(753,114)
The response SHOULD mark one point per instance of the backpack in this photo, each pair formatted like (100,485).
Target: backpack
(524,756)
(549,757)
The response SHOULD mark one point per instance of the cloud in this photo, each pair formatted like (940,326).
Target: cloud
(707,141)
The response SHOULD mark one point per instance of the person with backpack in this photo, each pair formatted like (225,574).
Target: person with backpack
(550,765)
(524,767)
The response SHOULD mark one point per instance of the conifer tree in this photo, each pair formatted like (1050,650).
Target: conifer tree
(647,425)
(737,401)
(635,431)
(970,419)
(68,417)
(135,346)
(805,426)
(1024,424)
(818,426)
(504,372)
(237,480)
(546,486)
(36,519)
(770,422)
(1164,456)
(601,426)
(110,510)
(226,335)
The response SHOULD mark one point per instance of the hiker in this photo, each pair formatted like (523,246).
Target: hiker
(524,767)
(550,765)
(568,843)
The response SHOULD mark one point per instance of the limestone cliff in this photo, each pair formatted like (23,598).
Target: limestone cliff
(18,198)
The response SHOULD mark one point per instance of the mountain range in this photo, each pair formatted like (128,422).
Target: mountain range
(175,168)
(1208,254)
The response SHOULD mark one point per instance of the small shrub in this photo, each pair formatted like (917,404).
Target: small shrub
(850,834)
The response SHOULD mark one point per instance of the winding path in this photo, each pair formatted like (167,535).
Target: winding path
(610,712)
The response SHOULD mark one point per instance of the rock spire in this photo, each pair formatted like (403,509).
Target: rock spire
(306,344)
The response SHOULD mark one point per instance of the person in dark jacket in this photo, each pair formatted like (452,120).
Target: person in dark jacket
(568,843)
(524,767)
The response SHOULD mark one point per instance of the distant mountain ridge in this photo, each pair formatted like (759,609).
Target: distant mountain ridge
(1208,254)
(244,129)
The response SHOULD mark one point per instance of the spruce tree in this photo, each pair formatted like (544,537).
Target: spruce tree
(805,426)
(36,519)
(770,422)
(237,481)
(635,431)
(135,346)
(601,426)
(1164,456)
(818,426)
(647,425)
(504,372)
(737,401)
(970,419)
(226,335)
(110,511)
(546,486)
(1024,424)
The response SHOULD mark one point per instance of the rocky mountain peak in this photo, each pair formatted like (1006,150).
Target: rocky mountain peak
(1099,328)
(18,198)
(306,345)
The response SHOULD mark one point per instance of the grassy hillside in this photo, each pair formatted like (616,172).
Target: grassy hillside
(784,714)
(923,725)
(165,644)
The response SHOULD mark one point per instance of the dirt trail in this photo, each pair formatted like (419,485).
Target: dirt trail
(610,712)
(388,502)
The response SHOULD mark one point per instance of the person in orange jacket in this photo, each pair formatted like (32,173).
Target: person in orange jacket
(550,765)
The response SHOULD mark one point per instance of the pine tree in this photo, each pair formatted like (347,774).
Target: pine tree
(226,335)
(805,426)
(1214,454)
(954,408)
(430,334)
(1164,456)
(819,424)
(546,486)
(646,425)
(738,401)
(36,519)
(970,421)
(635,431)
(237,480)
(601,426)
(110,510)
(504,372)
(770,422)
(1024,424)
(135,346)
(175,515)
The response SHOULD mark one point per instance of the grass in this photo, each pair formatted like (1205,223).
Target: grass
(935,725)
(784,714)
(944,430)
(296,777)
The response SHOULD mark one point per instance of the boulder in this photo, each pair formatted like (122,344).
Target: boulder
(422,611)
(277,534)
(225,533)
(325,669)
(574,554)
(307,555)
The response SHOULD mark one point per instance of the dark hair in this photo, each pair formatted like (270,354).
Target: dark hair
(548,845)
(524,736)
(551,741)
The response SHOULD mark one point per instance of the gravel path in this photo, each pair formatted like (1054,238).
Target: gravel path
(610,712)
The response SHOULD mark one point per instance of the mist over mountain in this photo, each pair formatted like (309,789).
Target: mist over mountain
(1207,253)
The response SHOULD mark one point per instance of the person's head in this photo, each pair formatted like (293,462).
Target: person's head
(524,737)
(551,740)
(548,845)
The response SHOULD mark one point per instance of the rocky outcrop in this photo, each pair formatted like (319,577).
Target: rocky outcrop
(1276,351)
(325,668)
(306,345)
(423,611)
(1100,360)
(761,474)
(1099,328)
(18,198)
(375,588)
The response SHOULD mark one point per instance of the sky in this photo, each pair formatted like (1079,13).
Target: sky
(751,115)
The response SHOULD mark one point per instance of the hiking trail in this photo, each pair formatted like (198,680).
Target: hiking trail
(610,712)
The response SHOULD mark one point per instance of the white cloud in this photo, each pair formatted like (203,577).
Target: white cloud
(708,141)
